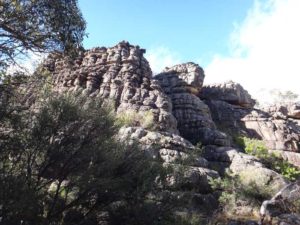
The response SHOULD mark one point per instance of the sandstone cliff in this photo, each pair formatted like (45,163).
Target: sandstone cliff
(184,113)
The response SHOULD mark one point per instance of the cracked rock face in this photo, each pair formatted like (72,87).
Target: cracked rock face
(120,74)
(230,92)
(182,84)
(174,151)
(287,110)
(279,133)
(247,167)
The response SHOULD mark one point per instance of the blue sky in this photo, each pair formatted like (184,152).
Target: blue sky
(253,42)
(192,28)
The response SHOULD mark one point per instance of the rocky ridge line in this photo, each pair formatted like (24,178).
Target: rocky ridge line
(184,110)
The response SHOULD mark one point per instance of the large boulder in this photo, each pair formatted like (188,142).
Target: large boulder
(192,75)
(193,115)
(230,92)
(190,169)
(171,148)
(119,74)
(248,168)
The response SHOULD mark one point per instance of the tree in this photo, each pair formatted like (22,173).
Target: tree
(61,164)
(38,26)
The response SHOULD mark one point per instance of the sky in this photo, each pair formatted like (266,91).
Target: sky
(253,42)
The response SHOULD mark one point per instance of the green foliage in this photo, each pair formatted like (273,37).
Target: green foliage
(144,119)
(39,26)
(275,162)
(61,163)
(289,171)
(192,156)
(233,192)
(255,147)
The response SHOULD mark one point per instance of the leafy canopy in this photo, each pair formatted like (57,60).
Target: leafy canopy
(38,26)
(61,164)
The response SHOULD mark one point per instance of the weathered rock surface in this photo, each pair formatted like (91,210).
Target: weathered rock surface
(190,73)
(120,74)
(278,133)
(174,151)
(182,83)
(288,110)
(230,92)
(249,169)
(289,219)
(291,157)
(212,115)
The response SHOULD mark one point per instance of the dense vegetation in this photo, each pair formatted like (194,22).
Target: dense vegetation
(61,163)
(38,26)
(275,162)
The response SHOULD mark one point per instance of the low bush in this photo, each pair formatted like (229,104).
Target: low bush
(144,119)
(273,161)
(61,164)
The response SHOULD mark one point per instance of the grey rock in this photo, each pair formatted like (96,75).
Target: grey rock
(191,178)
(171,148)
(193,116)
(290,110)
(120,75)
(190,73)
(191,170)
(277,133)
(289,219)
(247,167)
(291,157)
(230,92)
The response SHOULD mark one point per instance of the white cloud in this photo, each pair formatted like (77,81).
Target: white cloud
(161,57)
(265,50)
(28,63)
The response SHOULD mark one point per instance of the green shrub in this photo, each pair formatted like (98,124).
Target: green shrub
(273,161)
(63,160)
(232,192)
(144,119)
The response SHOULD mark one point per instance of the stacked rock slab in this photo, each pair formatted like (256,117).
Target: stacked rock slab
(120,74)
(230,92)
(182,83)
(173,150)
(238,117)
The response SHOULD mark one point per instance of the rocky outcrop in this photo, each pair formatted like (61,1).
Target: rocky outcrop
(292,157)
(182,84)
(120,74)
(246,167)
(191,74)
(193,172)
(279,133)
(184,113)
(230,92)
(285,110)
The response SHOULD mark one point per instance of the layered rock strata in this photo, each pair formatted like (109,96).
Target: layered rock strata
(181,105)
(277,126)
(120,74)
(230,92)
(182,83)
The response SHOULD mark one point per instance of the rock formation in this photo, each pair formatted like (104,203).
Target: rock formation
(182,83)
(230,92)
(277,126)
(120,74)
(184,113)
